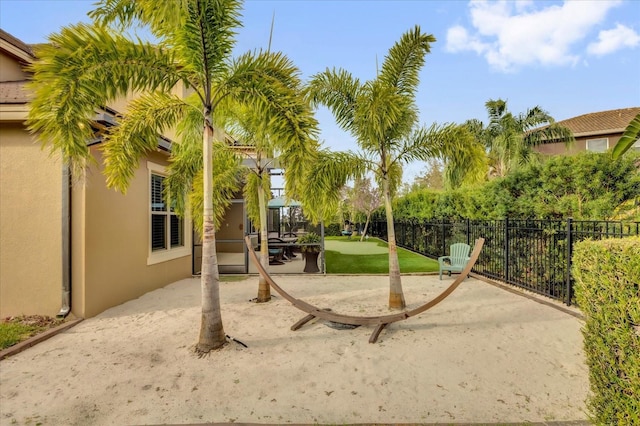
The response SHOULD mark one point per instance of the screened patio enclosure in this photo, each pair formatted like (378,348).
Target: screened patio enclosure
(285,221)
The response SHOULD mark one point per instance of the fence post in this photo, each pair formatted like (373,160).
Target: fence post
(414,225)
(444,243)
(569,286)
(468,231)
(506,249)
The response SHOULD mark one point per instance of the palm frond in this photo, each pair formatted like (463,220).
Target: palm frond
(160,17)
(190,128)
(382,118)
(435,141)
(630,136)
(185,167)
(206,39)
(325,179)
(248,126)
(338,90)
(467,163)
(80,68)
(137,134)
(496,108)
(456,145)
(401,67)
(120,13)
(551,132)
(269,85)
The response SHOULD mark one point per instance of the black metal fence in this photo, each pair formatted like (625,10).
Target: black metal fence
(531,254)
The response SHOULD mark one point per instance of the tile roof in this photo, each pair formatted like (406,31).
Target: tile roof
(603,122)
(13,92)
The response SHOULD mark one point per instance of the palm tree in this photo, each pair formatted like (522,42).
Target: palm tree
(291,153)
(510,138)
(85,66)
(381,114)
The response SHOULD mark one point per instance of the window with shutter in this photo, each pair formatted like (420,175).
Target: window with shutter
(167,229)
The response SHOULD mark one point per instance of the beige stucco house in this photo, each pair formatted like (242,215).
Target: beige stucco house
(596,131)
(77,247)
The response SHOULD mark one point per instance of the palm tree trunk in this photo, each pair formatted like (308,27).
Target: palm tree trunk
(212,334)
(264,291)
(366,226)
(396,297)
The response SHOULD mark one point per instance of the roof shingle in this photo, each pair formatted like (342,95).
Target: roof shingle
(612,121)
(13,92)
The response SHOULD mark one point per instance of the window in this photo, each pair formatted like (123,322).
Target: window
(597,145)
(167,230)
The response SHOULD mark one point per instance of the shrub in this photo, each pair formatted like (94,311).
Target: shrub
(309,238)
(585,186)
(607,274)
(332,230)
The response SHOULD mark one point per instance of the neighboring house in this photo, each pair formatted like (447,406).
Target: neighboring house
(77,246)
(596,131)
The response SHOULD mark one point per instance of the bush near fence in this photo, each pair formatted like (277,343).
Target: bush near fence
(585,187)
(607,275)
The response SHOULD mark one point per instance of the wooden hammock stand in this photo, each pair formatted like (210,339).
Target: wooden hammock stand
(380,321)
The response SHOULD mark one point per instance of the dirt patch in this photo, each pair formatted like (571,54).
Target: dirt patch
(34,320)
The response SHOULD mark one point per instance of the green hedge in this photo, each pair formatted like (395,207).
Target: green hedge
(607,275)
(585,186)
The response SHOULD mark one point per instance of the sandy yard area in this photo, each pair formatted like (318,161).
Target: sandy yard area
(482,355)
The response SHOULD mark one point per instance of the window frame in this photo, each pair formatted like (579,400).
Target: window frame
(169,253)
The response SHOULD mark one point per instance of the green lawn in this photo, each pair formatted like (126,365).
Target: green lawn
(17,329)
(350,256)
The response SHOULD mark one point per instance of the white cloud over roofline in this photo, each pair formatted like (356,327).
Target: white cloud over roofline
(514,34)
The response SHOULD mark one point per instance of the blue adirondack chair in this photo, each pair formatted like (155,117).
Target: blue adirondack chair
(457,259)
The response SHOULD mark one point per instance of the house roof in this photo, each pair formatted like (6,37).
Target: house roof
(16,47)
(600,123)
(13,92)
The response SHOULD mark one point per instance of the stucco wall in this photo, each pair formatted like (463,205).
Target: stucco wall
(115,244)
(30,221)
(579,145)
(10,69)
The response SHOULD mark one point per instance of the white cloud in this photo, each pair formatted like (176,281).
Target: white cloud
(511,34)
(458,39)
(610,41)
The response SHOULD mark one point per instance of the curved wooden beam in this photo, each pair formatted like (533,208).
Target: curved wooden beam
(380,321)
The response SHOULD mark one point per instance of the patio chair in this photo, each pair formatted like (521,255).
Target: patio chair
(457,259)
(275,253)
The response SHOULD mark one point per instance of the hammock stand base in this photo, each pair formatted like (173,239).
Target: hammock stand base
(380,321)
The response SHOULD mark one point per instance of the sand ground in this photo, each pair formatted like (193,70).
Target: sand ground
(482,355)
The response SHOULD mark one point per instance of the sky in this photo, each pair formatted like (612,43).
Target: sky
(568,57)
